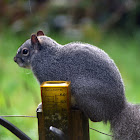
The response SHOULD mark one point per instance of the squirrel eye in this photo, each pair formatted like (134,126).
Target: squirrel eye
(25,52)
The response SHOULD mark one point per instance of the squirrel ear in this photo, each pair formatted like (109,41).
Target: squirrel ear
(34,39)
(40,33)
(35,42)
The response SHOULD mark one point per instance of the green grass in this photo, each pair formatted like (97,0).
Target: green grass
(20,92)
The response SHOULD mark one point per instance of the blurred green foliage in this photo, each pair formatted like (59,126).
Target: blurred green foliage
(25,15)
(20,92)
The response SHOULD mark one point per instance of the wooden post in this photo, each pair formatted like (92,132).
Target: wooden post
(72,122)
(79,126)
(41,127)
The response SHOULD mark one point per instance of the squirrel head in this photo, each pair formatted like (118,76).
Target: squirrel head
(31,47)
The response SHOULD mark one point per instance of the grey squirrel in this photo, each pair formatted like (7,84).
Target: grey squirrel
(96,84)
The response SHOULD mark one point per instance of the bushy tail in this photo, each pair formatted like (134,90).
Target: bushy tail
(126,126)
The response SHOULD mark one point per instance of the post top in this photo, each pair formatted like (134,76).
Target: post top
(55,84)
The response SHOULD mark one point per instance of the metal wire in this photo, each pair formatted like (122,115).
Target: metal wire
(36,117)
(18,116)
(101,132)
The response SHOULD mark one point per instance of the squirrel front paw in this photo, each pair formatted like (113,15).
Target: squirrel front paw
(39,108)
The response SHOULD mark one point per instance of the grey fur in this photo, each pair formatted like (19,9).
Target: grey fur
(96,83)
(126,126)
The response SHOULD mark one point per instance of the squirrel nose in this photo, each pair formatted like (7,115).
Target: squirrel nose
(15,59)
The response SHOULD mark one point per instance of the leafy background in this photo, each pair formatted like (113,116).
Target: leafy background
(113,26)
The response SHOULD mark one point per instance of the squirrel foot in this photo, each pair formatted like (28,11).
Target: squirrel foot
(39,108)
